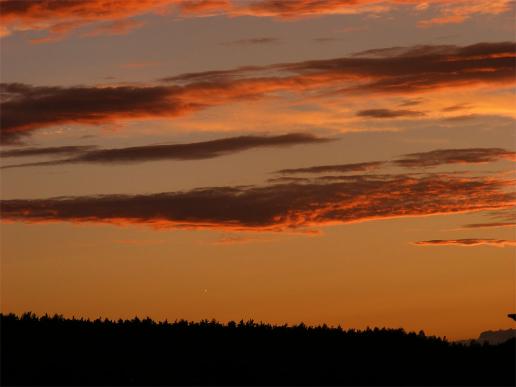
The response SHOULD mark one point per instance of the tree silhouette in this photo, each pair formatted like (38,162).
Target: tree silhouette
(52,350)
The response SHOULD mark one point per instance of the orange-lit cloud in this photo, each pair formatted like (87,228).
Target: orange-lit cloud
(59,17)
(398,71)
(48,15)
(448,11)
(453,12)
(276,207)
(118,27)
(455,156)
(467,242)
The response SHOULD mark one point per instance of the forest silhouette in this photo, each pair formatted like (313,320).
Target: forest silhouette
(53,350)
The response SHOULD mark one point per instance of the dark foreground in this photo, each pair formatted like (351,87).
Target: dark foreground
(58,351)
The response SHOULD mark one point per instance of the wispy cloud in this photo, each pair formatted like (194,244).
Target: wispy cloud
(498,219)
(455,156)
(189,151)
(252,41)
(401,71)
(389,113)
(413,160)
(47,151)
(326,39)
(490,225)
(342,168)
(468,242)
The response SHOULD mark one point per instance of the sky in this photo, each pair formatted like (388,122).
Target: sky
(348,162)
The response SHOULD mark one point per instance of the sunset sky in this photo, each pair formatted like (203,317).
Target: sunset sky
(348,162)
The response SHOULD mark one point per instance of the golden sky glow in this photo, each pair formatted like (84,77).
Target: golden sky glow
(340,162)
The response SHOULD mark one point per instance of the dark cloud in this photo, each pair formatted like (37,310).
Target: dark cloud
(411,102)
(389,113)
(413,160)
(288,179)
(462,117)
(505,218)
(252,41)
(400,69)
(467,242)
(489,225)
(26,108)
(190,151)
(342,168)
(454,108)
(50,151)
(275,207)
(455,156)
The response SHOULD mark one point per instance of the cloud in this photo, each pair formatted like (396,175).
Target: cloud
(325,39)
(413,160)
(342,168)
(489,225)
(50,15)
(288,179)
(411,102)
(59,17)
(252,42)
(204,8)
(389,113)
(448,11)
(225,146)
(456,107)
(457,12)
(505,218)
(463,117)
(26,108)
(387,70)
(467,242)
(118,27)
(277,207)
(50,151)
(455,156)
(418,69)
(190,151)
(58,31)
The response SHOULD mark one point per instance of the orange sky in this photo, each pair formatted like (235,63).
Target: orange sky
(342,162)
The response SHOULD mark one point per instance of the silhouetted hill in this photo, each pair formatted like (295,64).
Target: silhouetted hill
(58,351)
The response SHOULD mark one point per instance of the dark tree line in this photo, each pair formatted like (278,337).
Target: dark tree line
(58,351)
